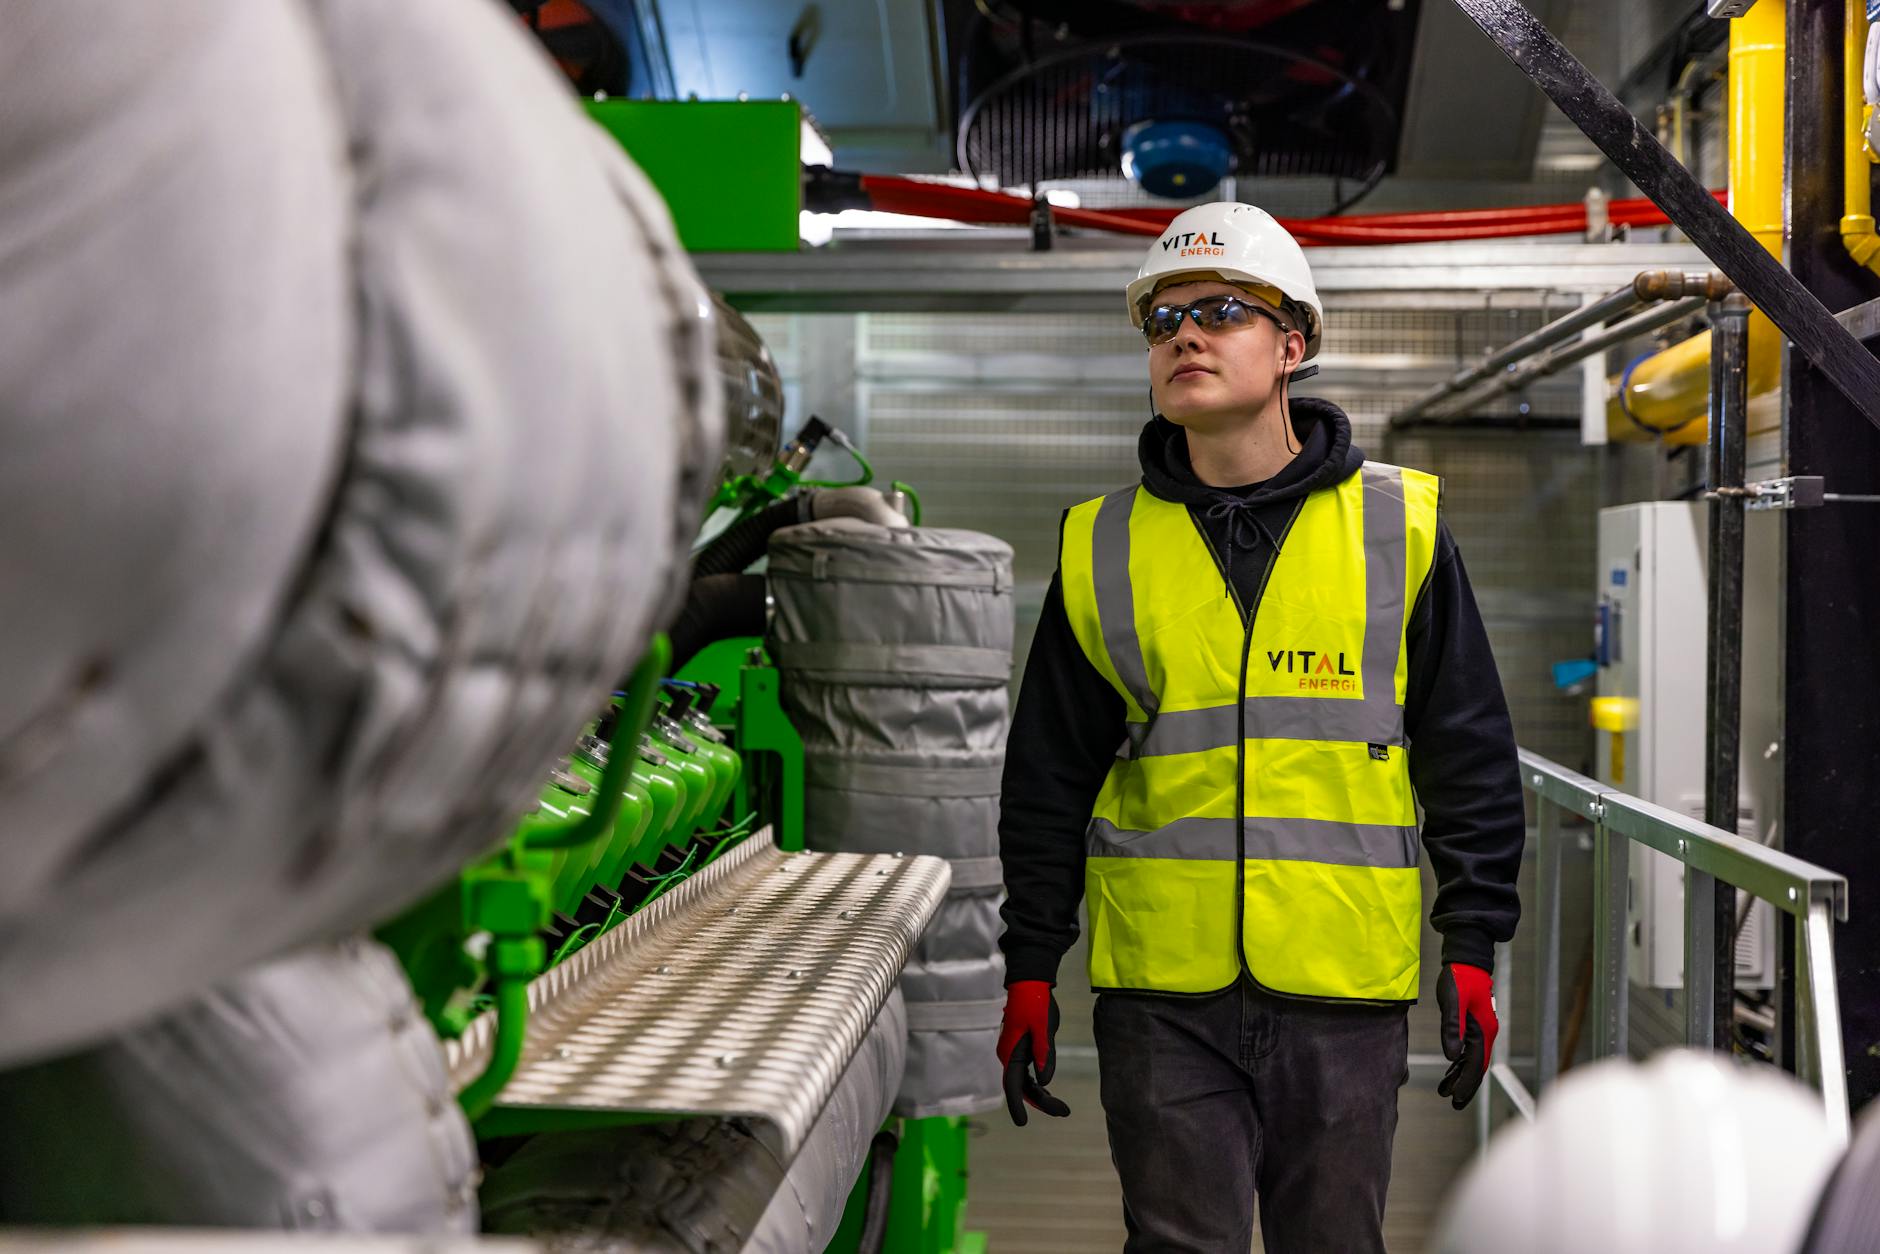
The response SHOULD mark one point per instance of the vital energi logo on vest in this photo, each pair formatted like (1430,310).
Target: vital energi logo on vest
(1319,676)
(1196,244)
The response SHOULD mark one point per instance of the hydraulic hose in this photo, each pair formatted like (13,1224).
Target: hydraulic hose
(746,540)
(880,1202)
(719,607)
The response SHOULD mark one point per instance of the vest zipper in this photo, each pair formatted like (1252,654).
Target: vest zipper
(1227,578)
(1240,771)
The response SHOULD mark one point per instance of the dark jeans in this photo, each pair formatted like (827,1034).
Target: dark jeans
(1214,1100)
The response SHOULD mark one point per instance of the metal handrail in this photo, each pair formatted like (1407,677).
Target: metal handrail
(1814,899)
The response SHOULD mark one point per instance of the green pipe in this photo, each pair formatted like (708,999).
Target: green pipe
(511,994)
(913,499)
(635,710)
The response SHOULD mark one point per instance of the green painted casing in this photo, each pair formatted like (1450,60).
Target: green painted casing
(428,939)
(927,1207)
(763,727)
(668,790)
(750,710)
(700,782)
(730,170)
(928,1215)
(636,817)
(726,767)
(572,866)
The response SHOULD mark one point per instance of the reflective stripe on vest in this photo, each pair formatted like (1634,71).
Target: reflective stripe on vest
(1326,833)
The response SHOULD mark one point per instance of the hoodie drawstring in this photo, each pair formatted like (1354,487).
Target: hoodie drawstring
(1237,513)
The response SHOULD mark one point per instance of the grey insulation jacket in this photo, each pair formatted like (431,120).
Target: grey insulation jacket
(307,1093)
(702,1185)
(354,423)
(895,649)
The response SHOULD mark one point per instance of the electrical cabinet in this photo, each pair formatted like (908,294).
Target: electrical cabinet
(1651,643)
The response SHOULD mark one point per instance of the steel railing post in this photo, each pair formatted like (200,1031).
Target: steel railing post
(1547,954)
(1700,979)
(1819,1059)
(1611,986)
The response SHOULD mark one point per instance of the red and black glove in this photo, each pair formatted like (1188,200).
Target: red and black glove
(1025,1037)
(1466,996)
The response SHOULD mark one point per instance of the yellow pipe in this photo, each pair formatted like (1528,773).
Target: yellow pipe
(1670,391)
(1857,227)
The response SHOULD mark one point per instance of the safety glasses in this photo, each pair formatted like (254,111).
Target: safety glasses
(1211,313)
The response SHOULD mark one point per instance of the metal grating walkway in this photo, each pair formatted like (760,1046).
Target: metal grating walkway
(744,992)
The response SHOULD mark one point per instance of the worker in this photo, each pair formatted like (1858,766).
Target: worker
(1249,672)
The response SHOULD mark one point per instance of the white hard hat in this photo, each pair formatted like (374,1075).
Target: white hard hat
(1238,244)
(1683,1154)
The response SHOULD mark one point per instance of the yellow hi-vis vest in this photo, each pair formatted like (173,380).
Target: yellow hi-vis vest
(1259,816)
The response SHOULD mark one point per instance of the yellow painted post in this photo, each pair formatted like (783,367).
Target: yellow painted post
(1671,390)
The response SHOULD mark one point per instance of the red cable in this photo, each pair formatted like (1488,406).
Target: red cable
(968,204)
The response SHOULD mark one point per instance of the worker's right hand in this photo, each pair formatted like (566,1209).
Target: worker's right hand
(1025,1038)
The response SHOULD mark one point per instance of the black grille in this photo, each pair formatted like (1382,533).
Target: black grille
(1284,113)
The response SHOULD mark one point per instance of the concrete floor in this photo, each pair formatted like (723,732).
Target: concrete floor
(1049,1188)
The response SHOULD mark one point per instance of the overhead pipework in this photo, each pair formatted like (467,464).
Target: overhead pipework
(1540,353)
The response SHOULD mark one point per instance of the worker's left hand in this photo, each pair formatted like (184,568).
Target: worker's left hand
(1466,996)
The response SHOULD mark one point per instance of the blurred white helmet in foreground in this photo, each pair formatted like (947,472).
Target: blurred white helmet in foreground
(1687,1153)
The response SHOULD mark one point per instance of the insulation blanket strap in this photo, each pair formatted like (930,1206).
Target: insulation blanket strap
(702,1184)
(895,647)
(306,1093)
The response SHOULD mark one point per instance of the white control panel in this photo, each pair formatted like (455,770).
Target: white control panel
(1651,645)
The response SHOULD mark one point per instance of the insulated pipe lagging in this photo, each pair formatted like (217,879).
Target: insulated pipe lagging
(747,539)
(719,607)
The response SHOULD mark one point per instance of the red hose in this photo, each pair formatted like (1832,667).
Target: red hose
(969,204)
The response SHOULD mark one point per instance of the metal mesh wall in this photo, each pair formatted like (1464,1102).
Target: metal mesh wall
(1004,421)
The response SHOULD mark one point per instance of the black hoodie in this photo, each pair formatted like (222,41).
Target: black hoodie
(1462,761)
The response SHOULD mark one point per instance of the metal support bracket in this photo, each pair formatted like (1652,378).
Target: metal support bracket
(1793,492)
(1728,8)
(1862,321)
